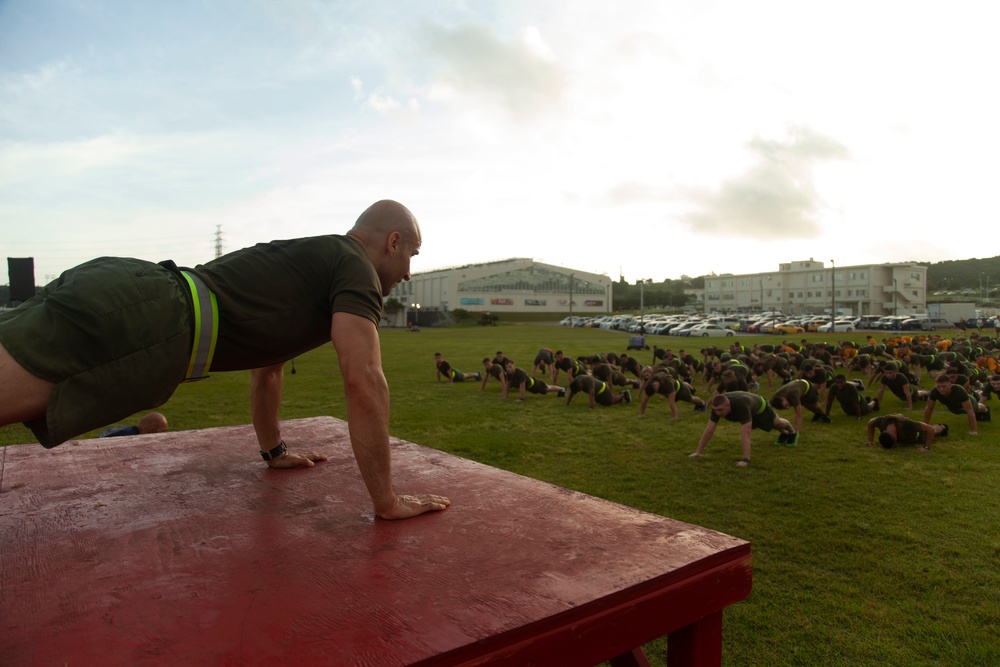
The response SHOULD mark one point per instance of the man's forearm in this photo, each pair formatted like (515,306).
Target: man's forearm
(973,426)
(368,424)
(745,439)
(265,404)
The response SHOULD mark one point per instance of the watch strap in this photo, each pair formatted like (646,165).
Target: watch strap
(272,454)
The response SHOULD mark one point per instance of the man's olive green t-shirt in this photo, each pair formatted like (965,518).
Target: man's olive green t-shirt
(276,299)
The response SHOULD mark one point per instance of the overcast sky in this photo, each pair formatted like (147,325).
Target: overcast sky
(656,138)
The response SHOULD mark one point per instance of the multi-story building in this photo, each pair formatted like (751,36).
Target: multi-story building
(507,286)
(810,287)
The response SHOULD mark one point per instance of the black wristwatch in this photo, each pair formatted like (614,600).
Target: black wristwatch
(274,453)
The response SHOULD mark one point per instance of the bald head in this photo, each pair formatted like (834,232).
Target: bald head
(391,236)
(383,218)
(153,422)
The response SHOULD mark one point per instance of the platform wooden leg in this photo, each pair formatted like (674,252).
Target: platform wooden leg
(633,658)
(698,644)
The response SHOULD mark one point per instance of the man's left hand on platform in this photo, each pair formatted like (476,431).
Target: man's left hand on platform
(296,460)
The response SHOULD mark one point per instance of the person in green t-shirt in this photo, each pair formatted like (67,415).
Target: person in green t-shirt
(115,336)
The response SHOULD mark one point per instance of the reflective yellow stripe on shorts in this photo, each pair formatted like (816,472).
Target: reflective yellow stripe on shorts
(206,328)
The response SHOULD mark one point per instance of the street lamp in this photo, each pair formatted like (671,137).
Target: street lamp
(416,314)
(642,303)
(895,311)
(571,276)
(833,296)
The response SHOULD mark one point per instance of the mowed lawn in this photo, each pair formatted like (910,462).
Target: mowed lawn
(862,556)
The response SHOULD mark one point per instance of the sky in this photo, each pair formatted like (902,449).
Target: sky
(645,139)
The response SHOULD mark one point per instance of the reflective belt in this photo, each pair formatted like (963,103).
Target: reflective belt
(807,387)
(763,405)
(601,391)
(206,328)
(531,383)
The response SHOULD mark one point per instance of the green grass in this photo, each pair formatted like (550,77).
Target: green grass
(862,556)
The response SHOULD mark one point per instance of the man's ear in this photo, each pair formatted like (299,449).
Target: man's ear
(394,242)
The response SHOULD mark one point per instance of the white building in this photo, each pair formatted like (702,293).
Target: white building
(809,287)
(507,286)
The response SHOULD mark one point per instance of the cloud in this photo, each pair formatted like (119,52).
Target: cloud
(634,192)
(775,196)
(519,74)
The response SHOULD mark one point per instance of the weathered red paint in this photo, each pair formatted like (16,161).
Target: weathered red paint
(184,548)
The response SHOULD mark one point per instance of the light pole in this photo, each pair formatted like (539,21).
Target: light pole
(416,314)
(833,296)
(895,311)
(642,303)
(571,294)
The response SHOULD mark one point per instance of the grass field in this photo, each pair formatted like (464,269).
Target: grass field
(862,556)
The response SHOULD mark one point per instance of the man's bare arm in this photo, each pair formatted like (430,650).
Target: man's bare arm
(265,403)
(367,396)
(970,411)
(706,435)
(929,410)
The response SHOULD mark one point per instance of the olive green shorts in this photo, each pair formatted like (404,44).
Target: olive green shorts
(765,420)
(113,334)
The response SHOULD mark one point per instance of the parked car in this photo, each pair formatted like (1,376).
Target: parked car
(814,323)
(710,329)
(659,328)
(838,326)
(788,328)
(935,323)
(726,322)
(683,329)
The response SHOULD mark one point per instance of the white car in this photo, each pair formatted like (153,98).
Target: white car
(839,325)
(709,329)
(682,329)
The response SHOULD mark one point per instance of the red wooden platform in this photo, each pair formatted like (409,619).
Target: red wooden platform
(184,549)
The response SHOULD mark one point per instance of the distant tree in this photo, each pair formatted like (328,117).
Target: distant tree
(461,315)
(392,307)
